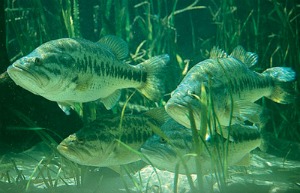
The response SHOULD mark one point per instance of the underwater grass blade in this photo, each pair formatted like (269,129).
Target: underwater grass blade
(176,178)
(136,183)
(197,148)
(19,173)
(142,156)
(132,180)
(57,177)
(182,160)
(67,17)
(76,19)
(32,174)
(197,145)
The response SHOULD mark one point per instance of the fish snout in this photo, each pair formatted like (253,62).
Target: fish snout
(179,109)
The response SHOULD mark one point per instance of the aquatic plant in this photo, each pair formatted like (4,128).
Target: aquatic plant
(268,28)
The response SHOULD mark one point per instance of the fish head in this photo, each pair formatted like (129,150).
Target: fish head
(181,102)
(97,144)
(43,70)
(79,150)
(165,152)
(159,153)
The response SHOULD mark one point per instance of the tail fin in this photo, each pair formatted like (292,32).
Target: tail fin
(273,145)
(283,77)
(155,67)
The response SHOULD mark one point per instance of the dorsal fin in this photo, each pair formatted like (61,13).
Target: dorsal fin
(216,52)
(117,45)
(158,114)
(248,58)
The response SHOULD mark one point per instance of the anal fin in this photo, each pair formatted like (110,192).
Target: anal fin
(110,101)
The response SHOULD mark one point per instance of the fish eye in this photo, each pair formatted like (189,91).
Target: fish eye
(80,141)
(162,140)
(37,61)
(193,95)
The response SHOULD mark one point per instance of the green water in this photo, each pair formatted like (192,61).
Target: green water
(184,29)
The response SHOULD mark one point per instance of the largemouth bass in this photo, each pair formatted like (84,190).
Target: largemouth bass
(97,143)
(69,71)
(233,88)
(165,152)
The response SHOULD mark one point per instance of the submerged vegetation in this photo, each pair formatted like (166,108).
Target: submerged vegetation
(184,29)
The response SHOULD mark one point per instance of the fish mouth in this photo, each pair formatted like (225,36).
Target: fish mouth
(156,155)
(69,152)
(62,148)
(27,79)
(159,159)
(180,112)
(150,156)
(65,150)
(18,68)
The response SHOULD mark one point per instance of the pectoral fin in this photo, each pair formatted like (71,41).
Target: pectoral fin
(245,161)
(112,99)
(248,111)
(64,107)
(116,169)
(67,106)
(224,132)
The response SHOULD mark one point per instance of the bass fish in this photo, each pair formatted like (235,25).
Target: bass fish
(232,87)
(167,151)
(72,71)
(98,143)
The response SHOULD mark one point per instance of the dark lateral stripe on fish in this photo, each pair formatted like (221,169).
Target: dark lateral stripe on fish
(105,69)
(239,84)
(52,70)
(248,83)
(134,131)
(242,137)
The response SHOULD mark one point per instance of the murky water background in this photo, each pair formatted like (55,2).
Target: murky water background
(184,29)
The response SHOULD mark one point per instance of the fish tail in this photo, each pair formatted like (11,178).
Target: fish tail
(279,147)
(283,91)
(155,67)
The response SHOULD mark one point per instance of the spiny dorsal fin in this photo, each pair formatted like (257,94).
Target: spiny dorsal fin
(117,45)
(158,114)
(248,58)
(216,52)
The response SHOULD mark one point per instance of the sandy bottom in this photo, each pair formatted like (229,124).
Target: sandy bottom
(39,170)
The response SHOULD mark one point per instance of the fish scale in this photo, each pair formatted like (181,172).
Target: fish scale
(233,88)
(71,71)
(168,154)
(97,143)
